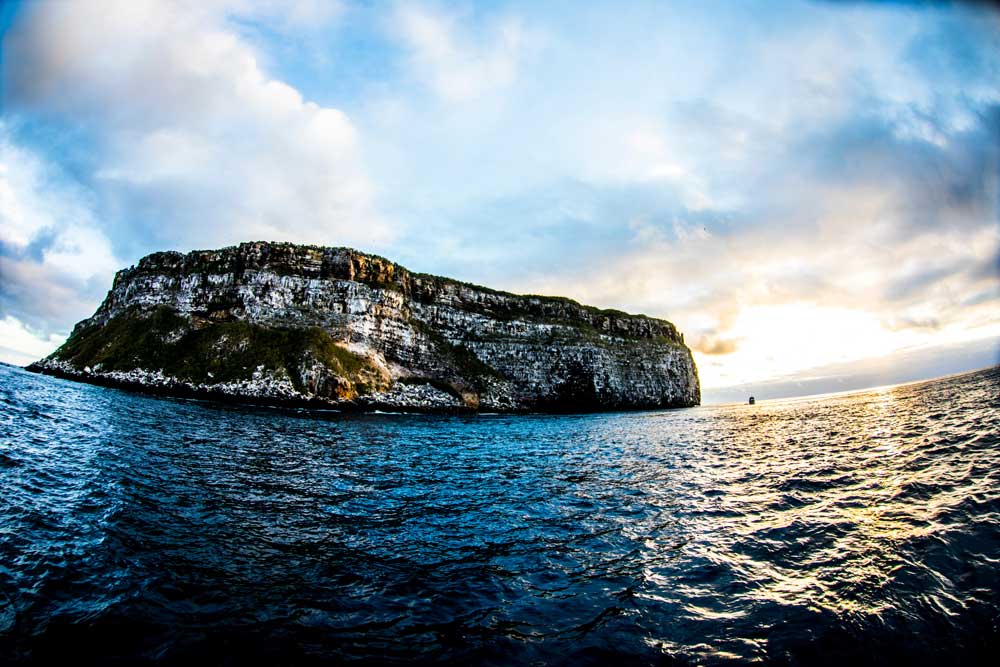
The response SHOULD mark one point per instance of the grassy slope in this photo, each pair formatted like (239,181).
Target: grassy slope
(233,350)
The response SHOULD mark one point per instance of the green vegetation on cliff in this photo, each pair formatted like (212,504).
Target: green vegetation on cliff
(214,352)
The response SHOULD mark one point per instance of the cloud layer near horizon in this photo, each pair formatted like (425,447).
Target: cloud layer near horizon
(763,176)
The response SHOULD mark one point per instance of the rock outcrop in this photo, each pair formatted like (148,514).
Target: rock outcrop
(333,327)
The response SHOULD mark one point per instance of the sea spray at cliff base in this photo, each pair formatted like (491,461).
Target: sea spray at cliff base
(333,327)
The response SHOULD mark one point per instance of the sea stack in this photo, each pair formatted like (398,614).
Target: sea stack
(278,323)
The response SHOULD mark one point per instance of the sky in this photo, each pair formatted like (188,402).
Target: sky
(810,191)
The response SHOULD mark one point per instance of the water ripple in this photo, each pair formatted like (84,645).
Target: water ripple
(862,527)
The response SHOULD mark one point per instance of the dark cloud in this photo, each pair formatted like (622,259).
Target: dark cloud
(913,284)
(43,240)
(948,177)
(980,298)
(957,47)
(44,299)
(928,4)
(986,270)
(903,323)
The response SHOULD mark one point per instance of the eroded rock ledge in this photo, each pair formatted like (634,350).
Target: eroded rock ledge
(332,327)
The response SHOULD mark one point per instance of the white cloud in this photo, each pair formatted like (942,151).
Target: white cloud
(51,248)
(20,345)
(289,15)
(455,63)
(198,145)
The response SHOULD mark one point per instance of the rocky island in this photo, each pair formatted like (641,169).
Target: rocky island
(285,324)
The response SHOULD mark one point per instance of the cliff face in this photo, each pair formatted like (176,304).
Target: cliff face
(332,326)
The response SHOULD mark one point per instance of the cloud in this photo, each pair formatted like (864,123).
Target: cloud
(715,346)
(21,345)
(148,126)
(839,225)
(902,323)
(457,65)
(834,196)
(55,261)
(182,137)
(923,4)
(288,15)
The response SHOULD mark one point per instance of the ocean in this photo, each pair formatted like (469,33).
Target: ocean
(859,529)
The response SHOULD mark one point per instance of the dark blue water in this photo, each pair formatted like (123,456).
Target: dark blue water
(860,528)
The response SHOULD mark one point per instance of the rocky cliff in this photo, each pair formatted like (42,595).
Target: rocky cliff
(333,327)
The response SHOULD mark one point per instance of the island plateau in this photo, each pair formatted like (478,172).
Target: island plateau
(277,323)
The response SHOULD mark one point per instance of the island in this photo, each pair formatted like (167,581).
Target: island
(310,326)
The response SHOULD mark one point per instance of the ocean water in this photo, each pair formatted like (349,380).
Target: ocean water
(861,529)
